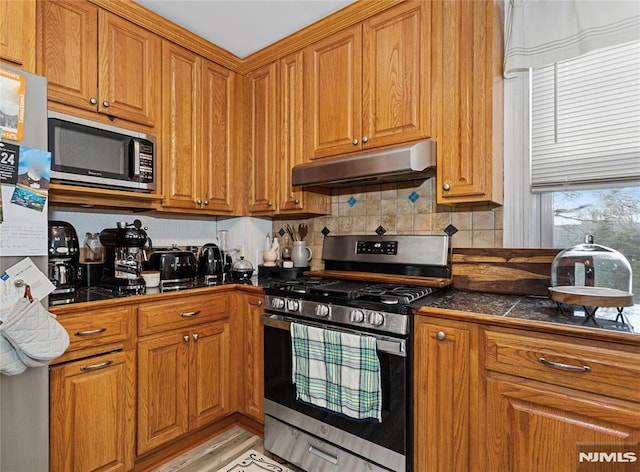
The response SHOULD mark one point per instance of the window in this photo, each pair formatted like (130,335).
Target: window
(581,142)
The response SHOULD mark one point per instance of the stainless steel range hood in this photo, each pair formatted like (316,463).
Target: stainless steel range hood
(410,162)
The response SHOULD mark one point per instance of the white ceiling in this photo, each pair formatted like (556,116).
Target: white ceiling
(243,27)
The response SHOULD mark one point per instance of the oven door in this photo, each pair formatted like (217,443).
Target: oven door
(386,443)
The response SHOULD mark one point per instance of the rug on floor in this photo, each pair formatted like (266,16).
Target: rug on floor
(253,461)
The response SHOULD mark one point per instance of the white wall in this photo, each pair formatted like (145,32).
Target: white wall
(244,232)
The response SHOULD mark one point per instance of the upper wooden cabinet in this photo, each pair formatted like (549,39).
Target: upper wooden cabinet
(261,131)
(197,119)
(369,86)
(467,77)
(97,61)
(18,33)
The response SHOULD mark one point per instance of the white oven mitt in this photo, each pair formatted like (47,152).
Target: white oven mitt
(10,363)
(34,333)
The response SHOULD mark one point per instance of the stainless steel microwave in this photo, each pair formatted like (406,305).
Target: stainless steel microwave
(93,154)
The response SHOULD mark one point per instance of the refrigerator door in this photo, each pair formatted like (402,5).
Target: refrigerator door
(24,398)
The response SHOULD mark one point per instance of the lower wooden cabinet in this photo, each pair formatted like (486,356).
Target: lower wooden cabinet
(253,357)
(445,389)
(183,382)
(92,424)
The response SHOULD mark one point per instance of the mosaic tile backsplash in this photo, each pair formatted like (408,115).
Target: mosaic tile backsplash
(399,208)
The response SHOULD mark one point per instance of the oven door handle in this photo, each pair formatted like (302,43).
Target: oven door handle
(396,347)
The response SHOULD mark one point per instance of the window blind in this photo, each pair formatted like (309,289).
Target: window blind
(585,121)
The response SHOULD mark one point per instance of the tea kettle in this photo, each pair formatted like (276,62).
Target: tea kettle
(210,260)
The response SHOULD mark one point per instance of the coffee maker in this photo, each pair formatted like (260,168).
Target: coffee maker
(125,254)
(64,257)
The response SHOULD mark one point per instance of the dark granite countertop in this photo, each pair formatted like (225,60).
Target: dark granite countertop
(534,308)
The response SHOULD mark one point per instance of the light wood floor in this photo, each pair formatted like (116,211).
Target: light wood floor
(215,453)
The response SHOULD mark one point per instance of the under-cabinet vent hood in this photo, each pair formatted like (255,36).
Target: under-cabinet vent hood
(410,162)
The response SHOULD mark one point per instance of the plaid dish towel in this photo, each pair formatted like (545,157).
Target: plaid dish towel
(337,371)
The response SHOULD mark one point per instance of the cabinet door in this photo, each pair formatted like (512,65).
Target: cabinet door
(533,426)
(209,374)
(67,51)
(92,414)
(129,70)
(181,124)
(468,84)
(163,391)
(291,139)
(253,357)
(216,127)
(17,35)
(262,138)
(444,375)
(333,101)
(396,75)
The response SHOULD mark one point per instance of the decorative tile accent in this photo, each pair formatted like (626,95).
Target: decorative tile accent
(325,231)
(352,201)
(380,230)
(451,230)
(281,232)
(413,197)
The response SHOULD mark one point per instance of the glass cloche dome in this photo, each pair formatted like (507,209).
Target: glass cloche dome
(591,265)
(591,275)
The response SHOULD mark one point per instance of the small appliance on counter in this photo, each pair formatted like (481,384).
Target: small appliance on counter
(242,270)
(211,264)
(64,257)
(177,267)
(125,255)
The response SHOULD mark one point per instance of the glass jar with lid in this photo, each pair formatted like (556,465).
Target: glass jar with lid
(93,250)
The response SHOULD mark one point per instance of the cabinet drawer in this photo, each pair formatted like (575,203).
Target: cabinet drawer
(182,312)
(595,367)
(99,327)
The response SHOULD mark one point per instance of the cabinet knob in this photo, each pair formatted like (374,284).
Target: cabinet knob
(355,142)
(446,187)
(93,100)
(296,201)
(440,335)
(196,336)
(206,202)
(259,303)
(199,202)
(269,203)
(365,139)
(185,338)
(105,104)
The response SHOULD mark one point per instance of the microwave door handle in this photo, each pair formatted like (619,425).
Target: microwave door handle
(386,345)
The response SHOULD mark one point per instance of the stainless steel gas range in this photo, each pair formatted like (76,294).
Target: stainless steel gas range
(368,289)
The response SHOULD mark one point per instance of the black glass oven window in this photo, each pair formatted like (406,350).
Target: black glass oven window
(391,433)
(102,152)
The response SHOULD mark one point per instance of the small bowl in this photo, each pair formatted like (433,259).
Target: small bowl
(151,277)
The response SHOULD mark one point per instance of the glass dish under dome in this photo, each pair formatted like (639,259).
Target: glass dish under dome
(591,275)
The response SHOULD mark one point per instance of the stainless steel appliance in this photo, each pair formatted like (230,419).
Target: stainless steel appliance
(124,257)
(93,154)
(368,288)
(64,257)
(24,398)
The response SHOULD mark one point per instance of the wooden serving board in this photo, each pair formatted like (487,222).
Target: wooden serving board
(591,296)
(382,278)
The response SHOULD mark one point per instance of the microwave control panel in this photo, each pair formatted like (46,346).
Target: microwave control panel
(142,161)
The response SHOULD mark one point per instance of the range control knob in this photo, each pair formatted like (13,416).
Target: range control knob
(376,319)
(356,316)
(322,310)
(277,303)
(293,305)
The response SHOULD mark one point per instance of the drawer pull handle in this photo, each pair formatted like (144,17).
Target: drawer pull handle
(103,365)
(91,332)
(188,314)
(323,455)
(570,368)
